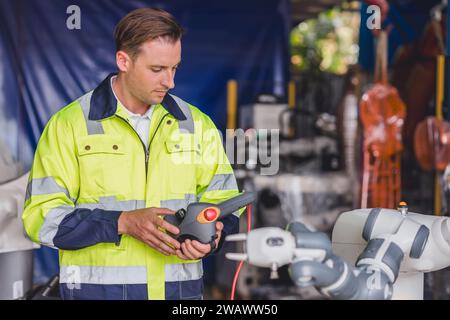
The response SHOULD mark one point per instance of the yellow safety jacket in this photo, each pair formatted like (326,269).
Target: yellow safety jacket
(90,165)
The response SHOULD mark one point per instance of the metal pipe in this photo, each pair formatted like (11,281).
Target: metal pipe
(231,104)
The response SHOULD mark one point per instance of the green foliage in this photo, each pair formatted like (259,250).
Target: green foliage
(328,43)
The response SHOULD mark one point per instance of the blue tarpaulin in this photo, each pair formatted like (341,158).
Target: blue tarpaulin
(44,65)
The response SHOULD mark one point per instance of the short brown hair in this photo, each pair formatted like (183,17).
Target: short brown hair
(145,24)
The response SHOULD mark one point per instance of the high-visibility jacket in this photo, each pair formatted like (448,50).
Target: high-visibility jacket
(90,165)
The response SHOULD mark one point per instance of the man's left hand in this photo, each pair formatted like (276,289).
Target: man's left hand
(194,250)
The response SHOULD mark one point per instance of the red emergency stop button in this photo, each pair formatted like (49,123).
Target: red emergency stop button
(210,214)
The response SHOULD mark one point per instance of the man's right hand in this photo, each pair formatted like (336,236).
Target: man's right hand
(144,225)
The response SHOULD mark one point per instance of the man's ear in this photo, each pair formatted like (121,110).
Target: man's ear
(123,61)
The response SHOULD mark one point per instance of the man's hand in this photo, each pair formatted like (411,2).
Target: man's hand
(193,250)
(145,225)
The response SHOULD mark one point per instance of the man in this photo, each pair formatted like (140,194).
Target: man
(111,164)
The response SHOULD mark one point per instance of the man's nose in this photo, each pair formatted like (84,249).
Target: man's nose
(169,80)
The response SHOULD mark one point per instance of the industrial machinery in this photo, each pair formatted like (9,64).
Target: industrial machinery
(376,253)
(314,198)
(382,113)
(9,168)
(16,250)
(311,183)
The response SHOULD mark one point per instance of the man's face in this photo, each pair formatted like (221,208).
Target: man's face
(151,74)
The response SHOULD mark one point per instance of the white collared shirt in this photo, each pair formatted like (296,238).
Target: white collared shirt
(141,124)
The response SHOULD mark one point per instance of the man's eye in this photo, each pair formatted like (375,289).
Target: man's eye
(156,69)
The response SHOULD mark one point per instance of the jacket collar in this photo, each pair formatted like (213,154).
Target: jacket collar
(104,103)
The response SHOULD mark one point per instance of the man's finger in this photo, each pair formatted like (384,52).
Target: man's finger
(166,248)
(154,246)
(219,226)
(162,211)
(159,245)
(167,239)
(181,255)
(196,253)
(167,226)
(203,248)
(186,251)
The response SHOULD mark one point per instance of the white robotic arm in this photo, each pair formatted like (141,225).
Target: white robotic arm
(391,240)
(312,262)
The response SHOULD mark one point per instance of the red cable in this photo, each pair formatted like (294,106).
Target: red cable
(236,275)
(233,288)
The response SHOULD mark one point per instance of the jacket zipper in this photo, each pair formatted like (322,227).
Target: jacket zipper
(154,133)
(146,150)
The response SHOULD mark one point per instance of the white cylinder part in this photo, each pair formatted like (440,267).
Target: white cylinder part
(436,255)
(262,254)
(348,242)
